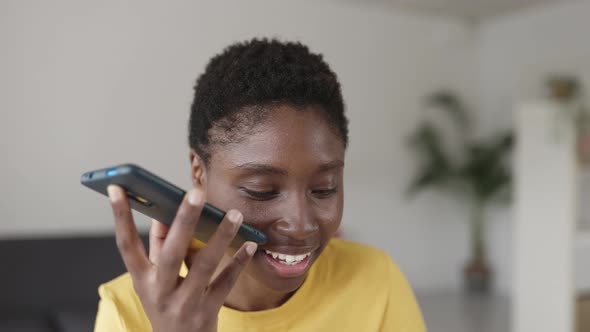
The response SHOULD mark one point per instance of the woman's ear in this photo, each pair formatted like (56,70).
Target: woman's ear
(198,171)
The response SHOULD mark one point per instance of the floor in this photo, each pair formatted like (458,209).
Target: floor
(456,312)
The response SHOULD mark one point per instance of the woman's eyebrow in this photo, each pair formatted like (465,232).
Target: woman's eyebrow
(258,168)
(330,166)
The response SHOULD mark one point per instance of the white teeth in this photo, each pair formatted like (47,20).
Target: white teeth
(287,259)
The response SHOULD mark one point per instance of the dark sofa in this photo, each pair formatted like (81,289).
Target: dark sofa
(50,284)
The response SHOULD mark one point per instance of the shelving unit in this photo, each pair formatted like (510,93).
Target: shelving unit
(546,237)
(583,183)
(582,233)
(582,262)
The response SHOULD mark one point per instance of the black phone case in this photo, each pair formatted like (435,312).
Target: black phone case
(159,199)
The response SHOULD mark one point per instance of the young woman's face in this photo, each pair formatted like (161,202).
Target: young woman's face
(287,180)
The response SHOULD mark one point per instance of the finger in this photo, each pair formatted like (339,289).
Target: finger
(205,261)
(195,246)
(158,232)
(179,237)
(128,241)
(222,285)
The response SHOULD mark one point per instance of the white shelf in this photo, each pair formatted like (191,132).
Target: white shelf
(581,262)
(583,189)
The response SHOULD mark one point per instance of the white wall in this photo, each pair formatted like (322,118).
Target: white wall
(543,39)
(90,84)
(515,53)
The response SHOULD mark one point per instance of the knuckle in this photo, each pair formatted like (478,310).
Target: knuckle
(124,243)
(240,261)
(181,309)
(184,308)
(160,301)
(203,319)
(120,212)
(149,280)
(167,263)
(119,208)
(162,307)
(187,215)
(228,231)
(229,279)
(205,265)
(158,298)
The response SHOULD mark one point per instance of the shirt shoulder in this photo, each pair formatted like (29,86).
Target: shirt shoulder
(373,283)
(351,260)
(120,308)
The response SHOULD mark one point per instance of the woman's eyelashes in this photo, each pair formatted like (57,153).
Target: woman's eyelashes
(325,193)
(259,195)
(268,195)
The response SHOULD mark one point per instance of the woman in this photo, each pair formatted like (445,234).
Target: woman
(268,136)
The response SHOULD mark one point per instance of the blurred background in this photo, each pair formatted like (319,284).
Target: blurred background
(468,160)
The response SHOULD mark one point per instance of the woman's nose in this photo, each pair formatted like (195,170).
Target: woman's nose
(297,220)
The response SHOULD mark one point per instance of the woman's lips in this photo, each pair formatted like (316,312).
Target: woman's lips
(286,265)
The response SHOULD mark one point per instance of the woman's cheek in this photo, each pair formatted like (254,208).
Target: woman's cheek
(257,214)
(330,224)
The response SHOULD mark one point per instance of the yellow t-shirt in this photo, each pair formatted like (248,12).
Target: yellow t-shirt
(351,287)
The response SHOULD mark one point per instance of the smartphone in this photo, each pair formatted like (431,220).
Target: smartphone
(159,199)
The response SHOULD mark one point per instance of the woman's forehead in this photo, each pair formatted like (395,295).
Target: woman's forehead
(287,136)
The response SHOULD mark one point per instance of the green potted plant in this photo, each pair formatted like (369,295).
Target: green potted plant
(476,171)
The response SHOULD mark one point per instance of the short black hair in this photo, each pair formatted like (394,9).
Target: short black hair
(241,82)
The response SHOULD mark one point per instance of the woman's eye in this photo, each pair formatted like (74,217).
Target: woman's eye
(260,195)
(325,193)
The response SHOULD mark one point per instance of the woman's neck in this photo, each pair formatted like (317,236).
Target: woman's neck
(250,295)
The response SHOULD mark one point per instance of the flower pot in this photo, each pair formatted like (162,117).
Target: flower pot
(477,277)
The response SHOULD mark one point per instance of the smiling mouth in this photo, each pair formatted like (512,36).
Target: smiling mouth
(287,259)
(293,264)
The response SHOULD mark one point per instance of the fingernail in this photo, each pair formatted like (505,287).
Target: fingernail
(234,217)
(251,248)
(114,193)
(194,197)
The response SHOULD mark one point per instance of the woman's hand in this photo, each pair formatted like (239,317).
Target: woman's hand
(170,302)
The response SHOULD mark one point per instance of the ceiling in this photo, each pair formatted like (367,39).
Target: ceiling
(468,9)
